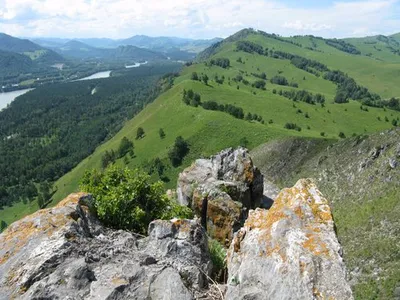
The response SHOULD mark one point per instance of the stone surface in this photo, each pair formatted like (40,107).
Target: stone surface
(65,253)
(288,252)
(230,185)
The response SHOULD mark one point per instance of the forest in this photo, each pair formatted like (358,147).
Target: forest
(48,131)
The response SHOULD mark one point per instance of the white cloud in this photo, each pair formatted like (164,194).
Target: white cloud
(192,18)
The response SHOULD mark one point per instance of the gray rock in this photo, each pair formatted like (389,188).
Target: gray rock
(65,253)
(230,185)
(288,252)
(392,163)
(271,191)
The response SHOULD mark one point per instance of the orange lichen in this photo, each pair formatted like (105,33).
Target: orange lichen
(315,245)
(116,280)
(43,222)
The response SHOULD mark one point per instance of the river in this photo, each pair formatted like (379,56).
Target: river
(136,65)
(98,75)
(7,98)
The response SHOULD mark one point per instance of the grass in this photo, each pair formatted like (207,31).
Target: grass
(18,211)
(374,223)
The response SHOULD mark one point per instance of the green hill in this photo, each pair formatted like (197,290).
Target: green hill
(12,64)
(12,44)
(208,131)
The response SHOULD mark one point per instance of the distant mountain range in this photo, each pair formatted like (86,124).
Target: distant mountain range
(78,49)
(161,44)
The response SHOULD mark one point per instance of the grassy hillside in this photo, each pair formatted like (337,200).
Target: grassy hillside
(364,191)
(210,131)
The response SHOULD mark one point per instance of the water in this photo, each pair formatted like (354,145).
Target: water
(98,75)
(136,65)
(7,98)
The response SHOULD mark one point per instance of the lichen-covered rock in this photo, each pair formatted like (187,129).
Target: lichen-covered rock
(288,252)
(229,183)
(65,253)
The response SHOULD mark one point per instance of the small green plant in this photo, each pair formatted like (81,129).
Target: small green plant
(127,199)
(218,258)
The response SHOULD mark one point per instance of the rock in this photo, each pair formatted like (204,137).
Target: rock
(271,191)
(65,253)
(229,184)
(392,163)
(396,293)
(288,252)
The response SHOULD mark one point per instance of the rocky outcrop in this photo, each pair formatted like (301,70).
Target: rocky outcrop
(228,184)
(65,253)
(288,252)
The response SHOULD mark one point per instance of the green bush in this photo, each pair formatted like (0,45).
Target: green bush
(126,199)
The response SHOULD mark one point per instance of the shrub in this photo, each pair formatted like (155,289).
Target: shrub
(292,126)
(126,199)
(259,84)
(125,146)
(194,76)
(161,133)
(3,225)
(178,151)
(108,158)
(281,80)
(139,133)
(342,135)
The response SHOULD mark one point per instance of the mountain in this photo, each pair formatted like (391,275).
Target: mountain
(99,42)
(339,97)
(299,71)
(15,65)
(77,49)
(167,43)
(50,42)
(136,53)
(12,44)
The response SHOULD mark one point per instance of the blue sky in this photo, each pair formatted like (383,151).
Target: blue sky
(197,18)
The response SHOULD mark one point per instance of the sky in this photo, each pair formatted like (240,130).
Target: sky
(197,18)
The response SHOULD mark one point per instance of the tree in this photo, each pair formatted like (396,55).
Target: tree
(194,76)
(342,135)
(127,199)
(108,158)
(394,122)
(3,225)
(161,133)
(157,166)
(124,147)
(205,79)
(139,133)
(44,194)
(178,151)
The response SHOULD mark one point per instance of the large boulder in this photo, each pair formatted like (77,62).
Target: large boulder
(288,252)
(65,253)
(229,184)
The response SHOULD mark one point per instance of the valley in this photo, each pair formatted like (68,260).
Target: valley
(305,107)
